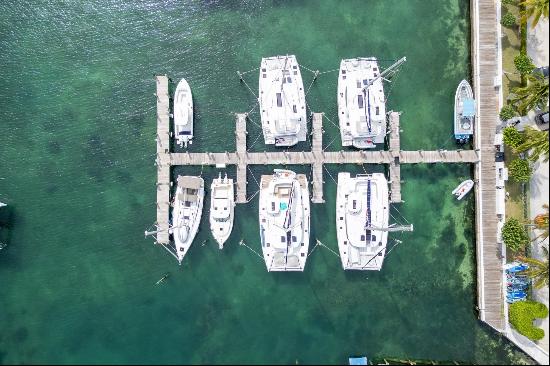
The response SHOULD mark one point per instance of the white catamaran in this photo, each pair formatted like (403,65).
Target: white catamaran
(284,220)
(183,114)
(222,208)
(362,214)
(361,102)
(282,101)
(187,212)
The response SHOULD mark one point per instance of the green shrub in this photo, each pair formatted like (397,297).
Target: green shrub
(523,63)
(520,170)
(507,112)
(509,2)
(508,20)
(523,313)
(512,137)
(514,235)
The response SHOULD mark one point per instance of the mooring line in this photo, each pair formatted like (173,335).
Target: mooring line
(255,252)
(323,245)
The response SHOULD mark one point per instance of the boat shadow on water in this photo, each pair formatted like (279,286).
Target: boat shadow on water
(7,221)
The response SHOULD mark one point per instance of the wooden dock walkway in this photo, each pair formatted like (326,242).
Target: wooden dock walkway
(163,159)
(489,251)
(240,157)
(317,152)
(317,157)
(395,163)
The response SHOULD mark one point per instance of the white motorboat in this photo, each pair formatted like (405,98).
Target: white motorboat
(282,101)
(183,114)
(222,208)
(187,212)
(284,220)
(362,214)
(464,112)
(463,189)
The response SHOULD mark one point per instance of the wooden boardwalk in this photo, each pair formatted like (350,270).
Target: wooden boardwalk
(240,158)
(489,252)
(317,157)
(163,159)
(395,163)
(317,152)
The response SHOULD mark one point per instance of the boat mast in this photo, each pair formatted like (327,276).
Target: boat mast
(392,228)
(392,69)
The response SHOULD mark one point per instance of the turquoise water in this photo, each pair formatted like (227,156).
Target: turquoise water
(76,166)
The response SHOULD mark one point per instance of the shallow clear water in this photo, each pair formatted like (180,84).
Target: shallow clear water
(77,148)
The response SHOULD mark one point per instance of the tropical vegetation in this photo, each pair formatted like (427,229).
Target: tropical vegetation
(534,94)
(514,235)
(523,313)
(520,170)
(508,20)
(536,142)
(538,269)
(523,63)
(534,9)
(512,137)
(507,112)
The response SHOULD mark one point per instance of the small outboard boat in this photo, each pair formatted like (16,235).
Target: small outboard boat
(463,189)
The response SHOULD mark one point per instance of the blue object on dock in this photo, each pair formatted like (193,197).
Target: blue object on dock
(516,267)
(469,108)
(358,361)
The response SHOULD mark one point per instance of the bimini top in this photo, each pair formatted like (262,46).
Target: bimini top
(190,188)
(189,182)
(469,108)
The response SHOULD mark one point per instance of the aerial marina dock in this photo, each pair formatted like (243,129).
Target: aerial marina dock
(489,258)
(317,157)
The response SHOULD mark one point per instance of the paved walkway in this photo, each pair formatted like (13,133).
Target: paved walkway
(539,187)
(537,42)
(538,49)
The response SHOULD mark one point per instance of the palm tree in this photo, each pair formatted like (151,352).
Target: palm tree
(538,270)
(535,9)
(534,94)
(537,142)
(541,223)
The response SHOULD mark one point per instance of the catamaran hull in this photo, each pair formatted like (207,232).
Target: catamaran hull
(282,101)
(361,112)
(284,247)
(362,249)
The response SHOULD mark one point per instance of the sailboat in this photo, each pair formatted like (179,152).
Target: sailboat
(187,212)
(284,220)
(361,101)
(183,114)
(282,101)
(362,218)
(222,208)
